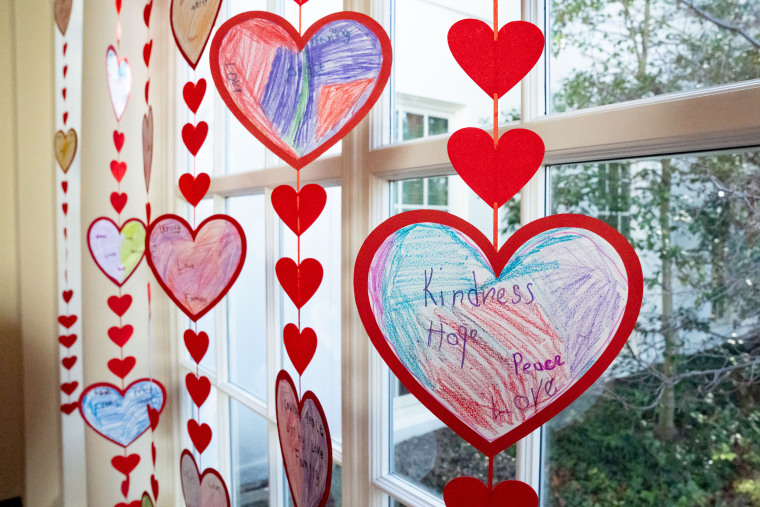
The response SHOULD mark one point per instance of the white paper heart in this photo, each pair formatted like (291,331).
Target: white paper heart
(202,490)
(119,81)
(117,250)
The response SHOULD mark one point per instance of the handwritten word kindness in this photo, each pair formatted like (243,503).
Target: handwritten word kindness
(476,297)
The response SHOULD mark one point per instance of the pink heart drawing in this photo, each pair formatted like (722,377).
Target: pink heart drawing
(304,442)
(196,268)
(119,81)
(202,490)
(117,250)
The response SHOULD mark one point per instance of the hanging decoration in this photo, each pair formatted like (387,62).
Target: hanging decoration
(299,94)
(494,340)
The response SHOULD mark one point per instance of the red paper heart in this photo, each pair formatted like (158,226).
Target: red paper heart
(69,387)
(199,434)
(491,417)
(198,388)
(146,13)
(65,186)
(300,346)
(153,451)
(194,188)
(147,91)
(65,48)
(67,294)
(194,136)
(67,340)
(120,304)
(122,367)
(65,208)
(136,503)
(118,6)
(68,408)
(63,93)
(154,486)
(69,362)
(120,335)
(300,282)
(153,416)
(118,169)
(300,2)
(197,344)
(65,71)
(469,491)
(118,201)
(495,174)
(298,210)
(67,320)
(125,487)
(125,464)
(118,141)
(65,117)
(147,49)
(194,93)
(147,221)
(496,65)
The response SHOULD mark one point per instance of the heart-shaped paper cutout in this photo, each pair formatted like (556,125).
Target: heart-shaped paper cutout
(118,201)
(120,335)
(299,281)
(69,408)
(67,321)
(194,188)
(67,340)
(67,295)
(62,14)
(299,95)
(198,388)
(119,81)
(193,94)
(194,136)
(147,50)
(69,387)
(196,268)
(147,501)
(118,140)
(298,210)
(65,147)
(496,65)
(118,169)
(153,483)
(125,464)
(495,357)
(202,490)
(147,138)
(200,434)
(117,250)
(191,25)
(300,346)
(122,367)
(469,491)
(120,304)
(120,415)
(196,344)
(69,362)
(304,442)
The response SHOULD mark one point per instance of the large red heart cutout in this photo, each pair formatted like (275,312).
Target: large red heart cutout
(296,94)
(195,268)
(496,65)
(495,343)
(469,491)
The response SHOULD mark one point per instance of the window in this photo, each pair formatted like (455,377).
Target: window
(609,123)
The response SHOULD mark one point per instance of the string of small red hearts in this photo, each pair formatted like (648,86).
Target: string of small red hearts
(494,168)
(65,147)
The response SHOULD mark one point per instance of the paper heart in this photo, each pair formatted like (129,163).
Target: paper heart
(194,136)
(496,65)
(194,93)
(147,50)
(117,250)
(118,169)
(298,210)
(62,14)
(118,6)
(301,2)
(65,208)
(69,387)
(300,282)
(65,146)
(69,362)
(147,92)
(66,114)
(125,464)
(118,140)
(198,388)
(122,367)
(495,174)
(202,490)
(65,47)
(191,25)
(120,335)
(153,417)
(67,321)
(120,415)
(299,95)
(119,81)
(146,499)
(497,343)
(153,487)
(136,503)
(196,268)
(67,295)
(118,201)
(69,408)
(194,188)
(468,491)
(147,138)
(120,304)
(304,442)
(300,346)
(67,340)
(197,344)
(65,186)
(200,434)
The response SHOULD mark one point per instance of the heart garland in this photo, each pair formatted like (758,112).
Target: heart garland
(468,491)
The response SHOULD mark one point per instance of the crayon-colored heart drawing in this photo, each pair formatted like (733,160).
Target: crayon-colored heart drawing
(191,25)
(119,81)
(201,490)
(62,14)
(497,343)
(117,250)
(299,95)
(65,147)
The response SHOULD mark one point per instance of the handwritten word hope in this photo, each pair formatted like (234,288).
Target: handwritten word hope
(452,338)
(475,296)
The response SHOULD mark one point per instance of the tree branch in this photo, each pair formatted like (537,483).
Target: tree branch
(722,23)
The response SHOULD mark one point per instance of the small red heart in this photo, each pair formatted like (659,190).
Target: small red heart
(197,344)
(299,281)
(63,93)
(65,118)
(200,434)
(300,346)
(154,486)
(147,49)
(146,13)
(65,234)
(136,503)
(147,91)
(125,464)
(298,210)
(300,2)
(67,294)
(194,93)
(118,169)
(467,491)
(147,222)
(65,48)
(122,367)
(153,416)
(67,340)
(65,208)
(69,408)
(496,174)
(118,141)
(118,6)
(69,387)
(125,487)
(118,201)
(65,186)
(198,388)
(496,65)
(120,335)
(65,70)
(194,136)
(67,320)
(69,362)
(120,304)
(153,452)
(194,188)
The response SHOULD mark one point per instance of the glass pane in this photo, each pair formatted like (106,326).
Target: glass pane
(322,311)
(246,302)
(437,126)
(412,126)
(250,457)
(438,191)
(673,422)
(608,52)
(412,192)
(208,415)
